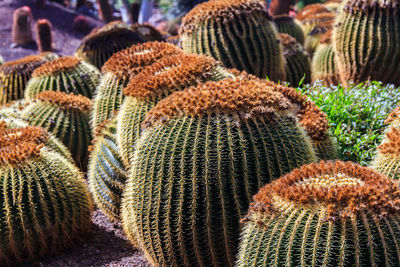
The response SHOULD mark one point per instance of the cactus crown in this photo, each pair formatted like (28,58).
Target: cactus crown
(394,116)
(309,10)
(65,101)
(354,6)
(244,97)
(131,60)
(290,44)
(18,153)
(392,144)
(22,65)
(224,10)
(169,74)
(56,66)
(326,38)
(343,189)
(31,134)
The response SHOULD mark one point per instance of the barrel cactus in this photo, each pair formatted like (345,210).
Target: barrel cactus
(289,25)
(14,76)
(45,204)
(203,153)
(310,10)
(155,82)
(246,40)
(369,51)
(97,47)
(147,32)
(315,27)
(298,65)
(66,116)
(116,72)
(66,74)
(323,214)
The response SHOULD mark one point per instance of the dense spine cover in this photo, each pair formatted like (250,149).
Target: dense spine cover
(289,25)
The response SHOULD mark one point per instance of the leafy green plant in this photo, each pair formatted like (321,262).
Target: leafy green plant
(356,115)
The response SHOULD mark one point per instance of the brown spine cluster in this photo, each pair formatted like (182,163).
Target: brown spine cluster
(392,144)
(355,6)
(394,116)
(309,10)
(65,101)
(18,153)
(61,64)
(44,35)
(32,134)
(326,38)
(23,65)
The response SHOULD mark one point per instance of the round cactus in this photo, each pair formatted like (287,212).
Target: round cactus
(106,173)
(97,47)
(298,65)
(45,204)
(66,116)
(366,41)
(323,214)
(315,27)
(203,153)
(287,24)
(246,39)
(116,72)
(66,74)
(44,35)
(155,82)
(14,76)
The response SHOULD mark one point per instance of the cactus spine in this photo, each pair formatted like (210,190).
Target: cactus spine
(116,72)
(66,74)
(155,82)
(66,116)
(323,214)
(44,35)
(21,33)
(203,153)
(44,202)
(366,41)
(246,39)
(287,24)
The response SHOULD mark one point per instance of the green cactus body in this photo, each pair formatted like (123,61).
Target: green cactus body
(155,82)
(298,65)
(13,109)
(116,72)
(45,204)
(97,47)
(325,214)
(246,39)
(14,76)
(66,74)
(287,24)
(66,116)
(366,41)
(203,153)
(106,173)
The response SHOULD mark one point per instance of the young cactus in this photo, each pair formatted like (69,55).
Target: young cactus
(66,74)
(97,47)
(202,154)
(289,25)
(66,116)
(44,202)
(155,82)
(369,51)
(116,72)
(21,32)
(44,35)
(239,33)
(323,214)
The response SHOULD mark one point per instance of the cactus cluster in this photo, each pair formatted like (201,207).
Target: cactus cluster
(203,153)
(238,33)
(65,74)
(289,25)
(323,214)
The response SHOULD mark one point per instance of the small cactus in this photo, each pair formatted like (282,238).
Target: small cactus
(14,76)
(239,33)
(155,82)
(21,32)
(44,35)
(203,153)
(105,10)
(287,24)
(66,74)
(366,41)
(66,116)
(116,72)
(323,214)
(97,47)
(44,202)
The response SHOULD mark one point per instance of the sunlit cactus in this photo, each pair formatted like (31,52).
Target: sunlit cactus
(14,76)
(289,25)
(116,72)
(66,74)
(147,32)
(21,33)
(44,202)
(203,153)
(323,214)
(97,47)
(44,35)
(155,82)
(369,51)
(239,33)
(298,64)
(66,116)
(334,5)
